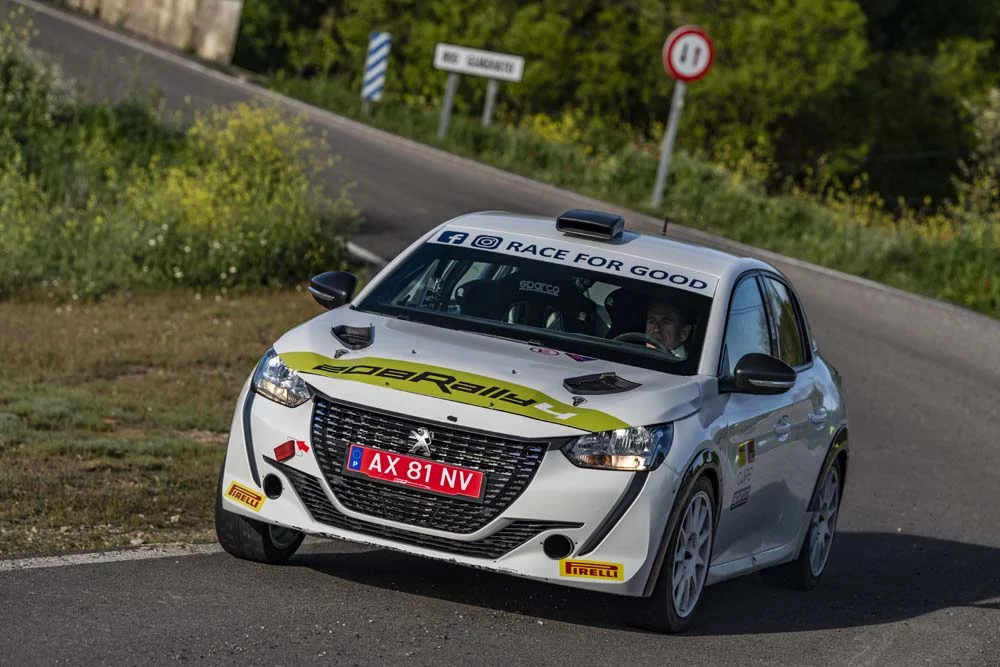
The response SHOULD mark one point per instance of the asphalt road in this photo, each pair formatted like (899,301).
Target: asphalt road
(914,577)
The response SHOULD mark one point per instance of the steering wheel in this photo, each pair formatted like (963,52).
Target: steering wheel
(637,337)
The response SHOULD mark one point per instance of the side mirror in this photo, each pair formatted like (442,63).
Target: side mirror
(333,288)
(757,373)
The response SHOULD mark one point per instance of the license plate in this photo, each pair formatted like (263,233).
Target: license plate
(416,473)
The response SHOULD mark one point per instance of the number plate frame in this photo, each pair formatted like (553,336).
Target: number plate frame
(358,460)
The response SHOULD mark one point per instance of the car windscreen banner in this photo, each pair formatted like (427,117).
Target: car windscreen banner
(453,385)
(567,253)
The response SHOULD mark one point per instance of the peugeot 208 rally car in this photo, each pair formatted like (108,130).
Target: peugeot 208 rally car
(561,400)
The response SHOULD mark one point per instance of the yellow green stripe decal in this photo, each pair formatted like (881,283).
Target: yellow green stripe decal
(452,385)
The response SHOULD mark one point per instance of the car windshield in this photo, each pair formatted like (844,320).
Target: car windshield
(574,310)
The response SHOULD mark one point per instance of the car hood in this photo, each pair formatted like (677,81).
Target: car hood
(487,373)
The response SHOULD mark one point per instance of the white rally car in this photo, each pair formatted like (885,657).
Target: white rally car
(555,399)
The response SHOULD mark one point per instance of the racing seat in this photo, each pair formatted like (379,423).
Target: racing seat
(478,299)
(539,301)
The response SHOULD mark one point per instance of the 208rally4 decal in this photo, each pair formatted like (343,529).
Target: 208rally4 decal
(452,385)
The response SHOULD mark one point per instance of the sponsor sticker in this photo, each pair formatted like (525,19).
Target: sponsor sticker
(579,357)
(592,569)
(567,253)
(740,497)
(538,286)
(546,351)
(742,453)
(746,454)
(454,385)
(245,496)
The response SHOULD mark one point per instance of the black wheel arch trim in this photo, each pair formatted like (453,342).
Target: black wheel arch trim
(704,460)
(624,502)
(247,437)
(838,447)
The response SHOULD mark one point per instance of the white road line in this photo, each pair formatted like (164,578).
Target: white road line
(96,558)
(650,223)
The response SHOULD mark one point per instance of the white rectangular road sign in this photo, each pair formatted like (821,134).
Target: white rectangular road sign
(491,65)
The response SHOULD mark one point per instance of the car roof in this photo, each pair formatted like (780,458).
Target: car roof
(716,263)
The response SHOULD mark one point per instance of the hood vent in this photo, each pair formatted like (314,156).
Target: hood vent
(354,338)
(599,383)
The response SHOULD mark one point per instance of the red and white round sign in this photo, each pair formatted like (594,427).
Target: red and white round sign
(688,53)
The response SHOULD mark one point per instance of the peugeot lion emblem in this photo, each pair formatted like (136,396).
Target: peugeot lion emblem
(422,441)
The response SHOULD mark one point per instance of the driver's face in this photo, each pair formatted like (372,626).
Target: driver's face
(663,322)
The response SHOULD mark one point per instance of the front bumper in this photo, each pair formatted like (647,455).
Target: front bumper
(611,516)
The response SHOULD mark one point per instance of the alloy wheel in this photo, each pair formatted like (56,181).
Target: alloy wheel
(692,554)
(824,522)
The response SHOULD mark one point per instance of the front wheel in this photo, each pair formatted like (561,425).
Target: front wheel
(685,567)
(804,572)
(254,540)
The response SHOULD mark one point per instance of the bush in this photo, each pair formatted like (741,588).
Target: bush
(98,197)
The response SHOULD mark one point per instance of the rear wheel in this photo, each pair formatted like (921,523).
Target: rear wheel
(254,540)
(804,572)
(685,567)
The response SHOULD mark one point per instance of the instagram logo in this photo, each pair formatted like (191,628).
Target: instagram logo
(487,242)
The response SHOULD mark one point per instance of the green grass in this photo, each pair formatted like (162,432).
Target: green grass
(937,254)
(114,423)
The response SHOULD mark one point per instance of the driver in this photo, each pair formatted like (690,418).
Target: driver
(669,325)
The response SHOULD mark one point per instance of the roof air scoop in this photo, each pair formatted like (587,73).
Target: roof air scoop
(599,383)
(591,224)
(353,338)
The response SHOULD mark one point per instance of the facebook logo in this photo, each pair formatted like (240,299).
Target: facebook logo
(454,238)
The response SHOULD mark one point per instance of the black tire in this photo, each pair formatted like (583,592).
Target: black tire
(659,612)
(800,574)
(249,539)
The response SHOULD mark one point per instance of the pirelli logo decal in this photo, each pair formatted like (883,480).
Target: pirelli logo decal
(453,385)
(245,496)
(591,569)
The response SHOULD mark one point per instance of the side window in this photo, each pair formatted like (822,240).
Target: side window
(746,329)
(786,320)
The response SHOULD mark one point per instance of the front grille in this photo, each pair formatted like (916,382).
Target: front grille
(509,466)
(310,491)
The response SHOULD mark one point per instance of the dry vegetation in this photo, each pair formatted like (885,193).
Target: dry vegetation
(114,415)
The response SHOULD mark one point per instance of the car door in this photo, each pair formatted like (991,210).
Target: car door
(756,437)
(808,417)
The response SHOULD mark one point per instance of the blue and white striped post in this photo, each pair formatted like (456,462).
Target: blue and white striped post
(376,65)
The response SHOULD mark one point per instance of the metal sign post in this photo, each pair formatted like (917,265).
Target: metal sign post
(459,60)
(491,98)
(668,142)
(687,56)
(449,100)
(376,64)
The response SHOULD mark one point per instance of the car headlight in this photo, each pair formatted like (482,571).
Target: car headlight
(280,383)
(634,449)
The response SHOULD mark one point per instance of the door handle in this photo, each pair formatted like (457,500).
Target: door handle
(782,428)
(818,418)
